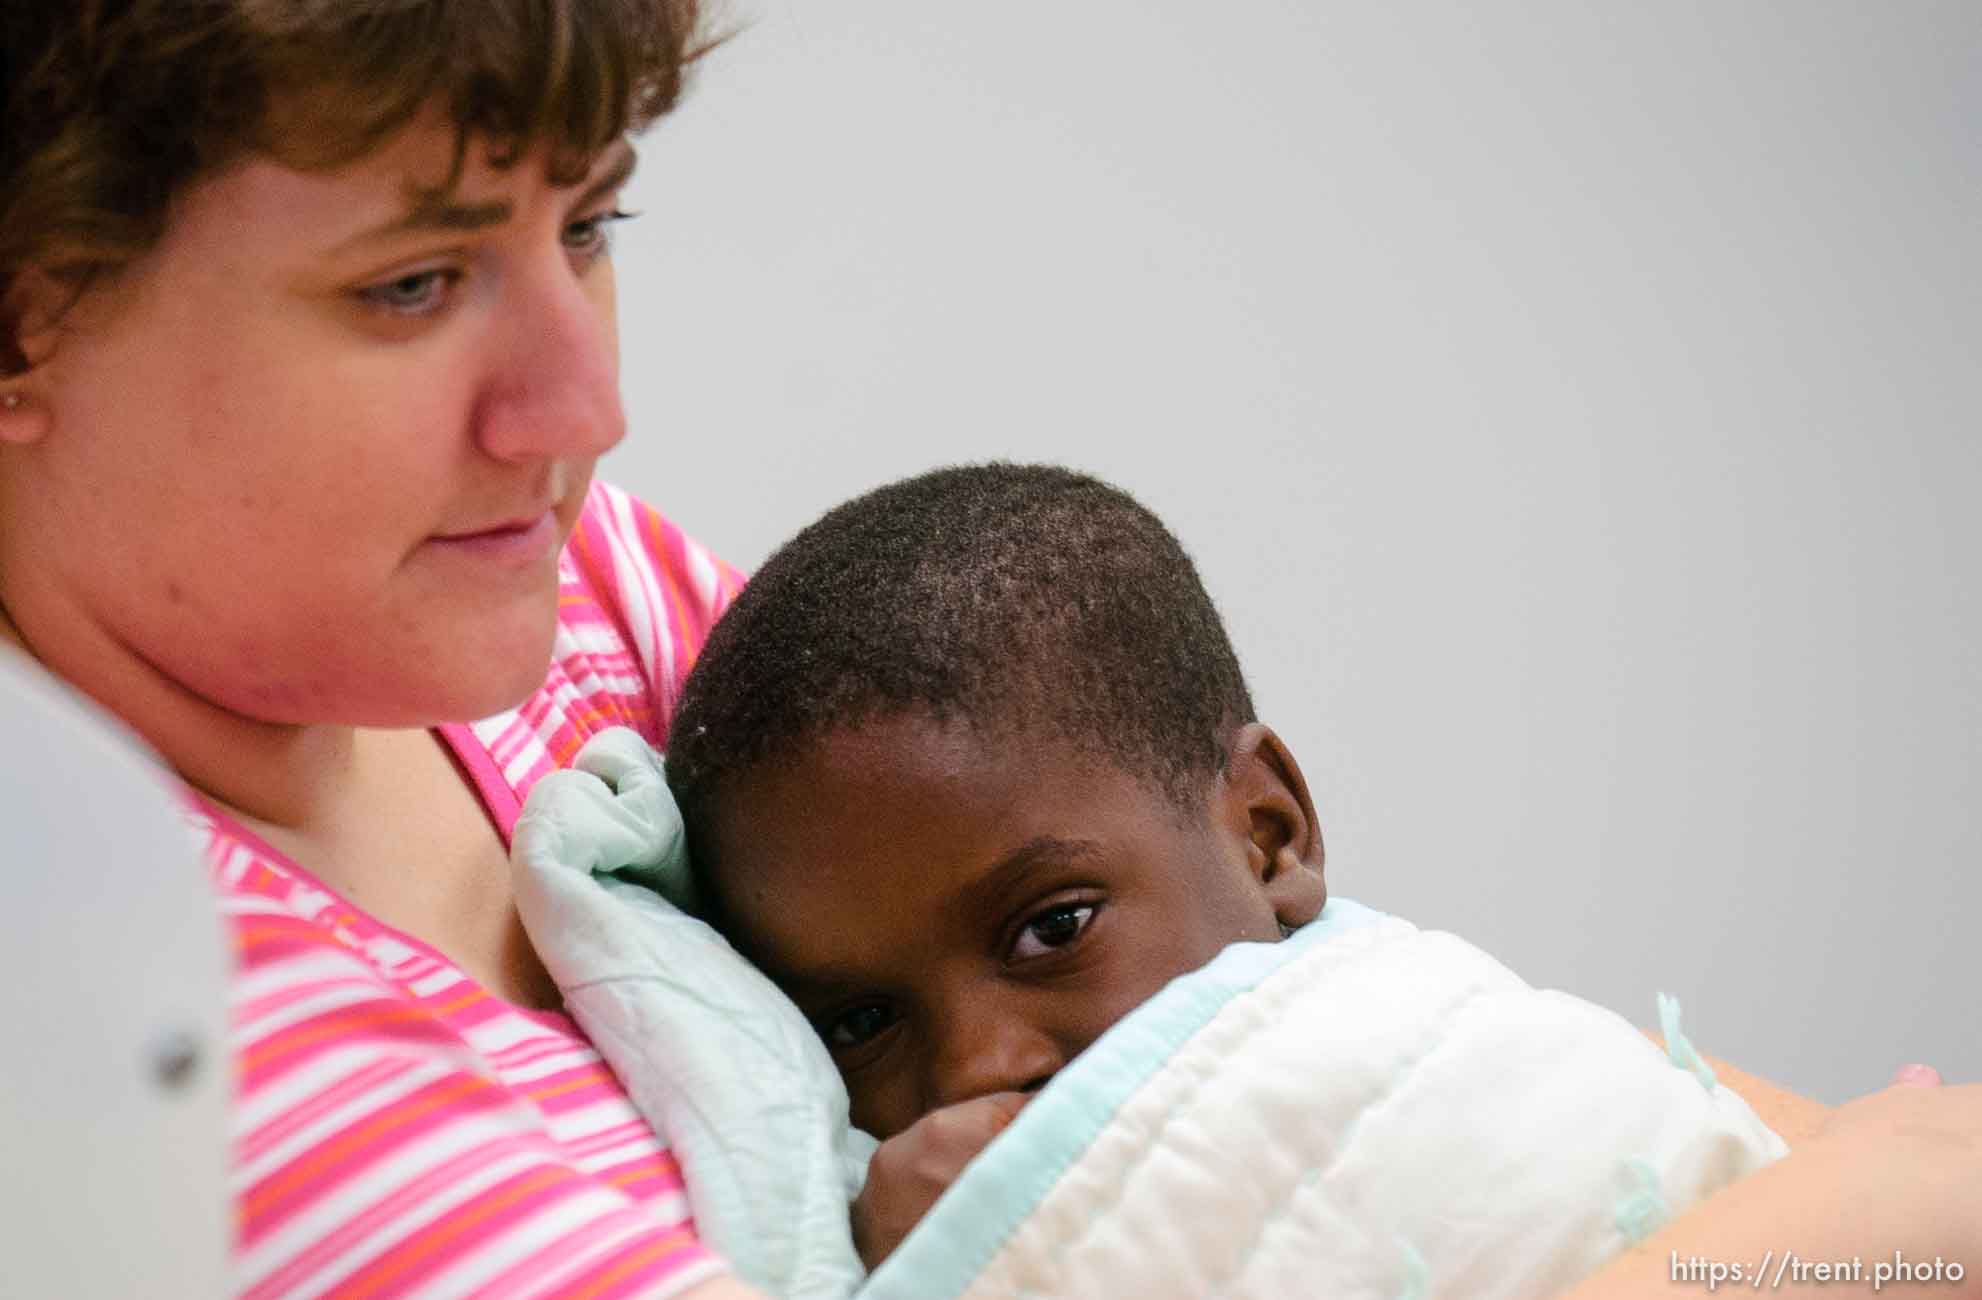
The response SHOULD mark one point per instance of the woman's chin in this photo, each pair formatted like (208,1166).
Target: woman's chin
(452,665)
(499,680)
(475,677)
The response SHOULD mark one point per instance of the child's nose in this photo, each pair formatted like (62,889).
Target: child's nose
(991,1053)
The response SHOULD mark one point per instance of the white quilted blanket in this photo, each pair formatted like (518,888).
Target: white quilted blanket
(1364,1110)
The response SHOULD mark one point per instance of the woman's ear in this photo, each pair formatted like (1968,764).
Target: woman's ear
(28,310)
(1266,793)
(23,415)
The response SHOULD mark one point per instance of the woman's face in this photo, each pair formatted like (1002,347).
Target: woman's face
(312,458)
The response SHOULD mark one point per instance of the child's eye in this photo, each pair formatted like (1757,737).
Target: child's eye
(417,293)
(857,1026)
(1056,927)
(591,238)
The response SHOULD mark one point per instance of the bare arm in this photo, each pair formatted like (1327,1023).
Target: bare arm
(1797,1119)
(1899,1171)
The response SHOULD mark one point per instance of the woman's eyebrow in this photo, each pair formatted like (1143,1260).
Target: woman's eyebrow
(434,212)
(619,160)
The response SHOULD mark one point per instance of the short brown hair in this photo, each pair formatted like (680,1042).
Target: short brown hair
(112,107)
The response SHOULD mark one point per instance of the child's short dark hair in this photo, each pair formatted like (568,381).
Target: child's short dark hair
(1007,597)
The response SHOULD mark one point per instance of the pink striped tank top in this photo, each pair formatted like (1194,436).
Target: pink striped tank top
(400,1131)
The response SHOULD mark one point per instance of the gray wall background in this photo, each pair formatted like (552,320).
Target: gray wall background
(1570,405)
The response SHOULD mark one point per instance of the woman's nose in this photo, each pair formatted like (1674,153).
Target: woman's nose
(552,390)
(993,1051)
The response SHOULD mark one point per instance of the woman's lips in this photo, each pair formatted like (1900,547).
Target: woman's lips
(517,542)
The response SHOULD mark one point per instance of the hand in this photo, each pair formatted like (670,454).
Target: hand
(914,1167)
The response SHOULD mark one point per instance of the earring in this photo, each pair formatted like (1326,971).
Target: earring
(21,420)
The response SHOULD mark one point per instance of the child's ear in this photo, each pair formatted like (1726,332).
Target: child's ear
(1265,788)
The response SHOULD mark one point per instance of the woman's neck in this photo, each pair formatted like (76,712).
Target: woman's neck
(268,771)
(273,774)
(382,816)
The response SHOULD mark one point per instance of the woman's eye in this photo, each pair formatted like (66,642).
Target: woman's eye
(416,293)
(1056,927)
(857,1027)
(591,238)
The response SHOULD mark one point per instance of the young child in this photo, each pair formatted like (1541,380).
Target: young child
(971,770)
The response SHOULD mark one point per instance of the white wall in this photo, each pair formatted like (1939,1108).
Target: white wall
(1569,404)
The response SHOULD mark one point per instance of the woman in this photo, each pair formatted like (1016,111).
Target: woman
(307,349)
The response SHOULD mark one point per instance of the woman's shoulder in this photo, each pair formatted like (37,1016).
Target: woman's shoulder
(631,567)
(637,598)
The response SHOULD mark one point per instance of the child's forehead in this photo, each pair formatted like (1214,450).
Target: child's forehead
(891,781)
(917,744)
(938,811)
